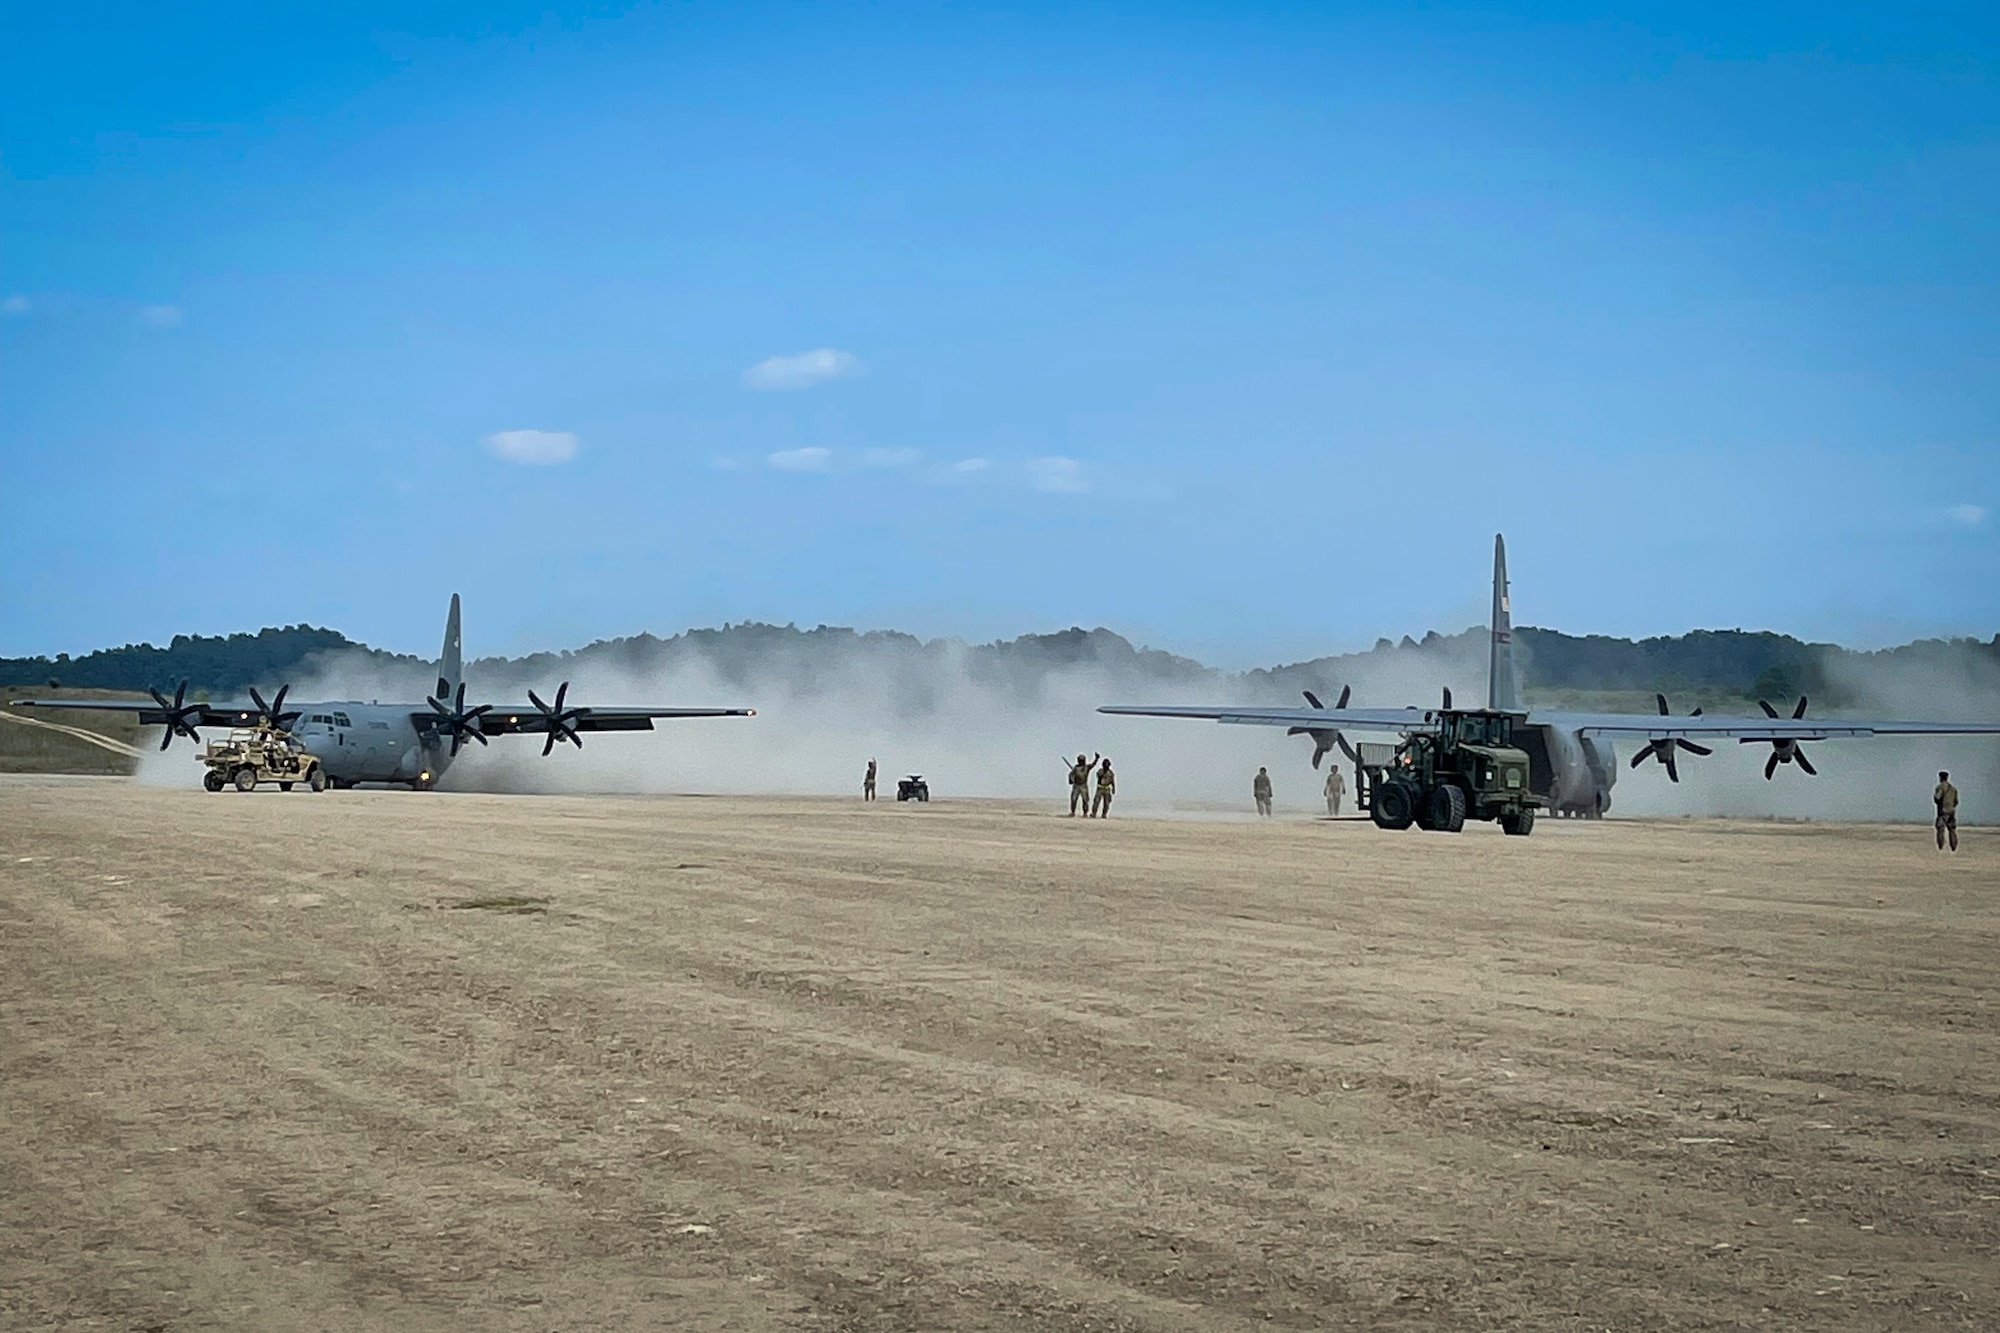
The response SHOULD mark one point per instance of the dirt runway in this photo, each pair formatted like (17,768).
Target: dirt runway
(380,1060)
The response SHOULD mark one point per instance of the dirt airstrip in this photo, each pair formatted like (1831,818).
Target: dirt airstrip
(378,1060)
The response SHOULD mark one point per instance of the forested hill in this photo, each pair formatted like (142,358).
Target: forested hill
(1705,662)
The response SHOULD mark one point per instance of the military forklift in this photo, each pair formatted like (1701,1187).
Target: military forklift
(1461,764)
(259,754)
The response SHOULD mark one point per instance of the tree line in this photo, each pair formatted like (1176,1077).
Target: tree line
(1750,664)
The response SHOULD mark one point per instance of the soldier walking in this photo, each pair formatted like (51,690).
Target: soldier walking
(1336,787)
(1261,789)
(1945,798)
(1079,785)
(868,782)
(1107,786)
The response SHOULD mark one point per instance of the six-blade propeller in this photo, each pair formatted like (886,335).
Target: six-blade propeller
(1663,749)
(459,720)
(274,710)
(1784,750)
(558,719)
(1325,738)
(178,715)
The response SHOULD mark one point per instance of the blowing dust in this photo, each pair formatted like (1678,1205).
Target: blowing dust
(977,727)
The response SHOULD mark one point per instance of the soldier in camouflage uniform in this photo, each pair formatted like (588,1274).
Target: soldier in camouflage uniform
(1945,797)
(1079,785)
(1107,786)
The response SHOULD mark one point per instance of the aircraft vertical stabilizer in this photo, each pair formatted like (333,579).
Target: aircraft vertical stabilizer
(449,673)
(1503,686)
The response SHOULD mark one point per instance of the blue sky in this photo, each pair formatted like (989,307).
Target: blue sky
(1239,329)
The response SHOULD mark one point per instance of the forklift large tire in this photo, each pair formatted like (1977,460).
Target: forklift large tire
(1395,805)
(1519,824)
(1446,809)
(316,780)
(246,778)
(212,780)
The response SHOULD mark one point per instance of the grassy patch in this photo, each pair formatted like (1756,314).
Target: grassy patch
(34,750)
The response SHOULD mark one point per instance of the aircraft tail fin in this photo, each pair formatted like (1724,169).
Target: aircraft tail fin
(1503,686)
(449,670)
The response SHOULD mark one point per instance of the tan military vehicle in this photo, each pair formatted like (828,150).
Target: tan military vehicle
(261,754)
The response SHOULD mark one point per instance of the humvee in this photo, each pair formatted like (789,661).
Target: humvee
(261,754)
(1462,765)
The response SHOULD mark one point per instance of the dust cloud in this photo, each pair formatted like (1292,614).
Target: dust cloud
(970,724)
(976,723)
(1861,779)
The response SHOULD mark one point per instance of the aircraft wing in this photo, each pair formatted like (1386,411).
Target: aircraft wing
(1627,726)
(1397,720)
(1647,726)
(150,713)
(506,720)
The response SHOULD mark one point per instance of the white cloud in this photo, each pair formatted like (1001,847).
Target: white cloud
(160,316)
(889,457)
(801,371)
(1970,516)
(1062,476)
(536,447)
(810,459)
(972,465)
(16,304)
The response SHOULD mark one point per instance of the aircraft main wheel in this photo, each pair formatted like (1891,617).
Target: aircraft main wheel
(1518,825)
(284,786)
(1447,809)
(246,779)
(318,780)
(212,780)
(1395,805)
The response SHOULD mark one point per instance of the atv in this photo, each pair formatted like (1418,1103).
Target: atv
(254,755)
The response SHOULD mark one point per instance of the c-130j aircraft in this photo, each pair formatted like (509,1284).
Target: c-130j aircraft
(1571,763)
(399,744)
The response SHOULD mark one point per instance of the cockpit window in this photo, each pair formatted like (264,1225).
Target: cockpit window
(340,720)
(1485,731)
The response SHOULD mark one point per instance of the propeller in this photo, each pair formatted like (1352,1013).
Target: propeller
(1664,748)
(1325,738)
(177,714)
(273,709)
(558,719)
(458,720)
(1784,750)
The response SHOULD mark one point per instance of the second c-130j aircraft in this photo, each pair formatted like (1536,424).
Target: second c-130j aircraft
(400,744)
(1571,763)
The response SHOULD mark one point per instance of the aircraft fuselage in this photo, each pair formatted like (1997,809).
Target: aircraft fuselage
(365,742)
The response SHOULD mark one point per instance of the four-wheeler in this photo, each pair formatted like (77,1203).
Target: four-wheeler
(261,754)
(913,788)
(1461,765)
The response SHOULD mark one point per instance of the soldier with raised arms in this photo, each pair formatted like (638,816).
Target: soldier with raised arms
(1079,784)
